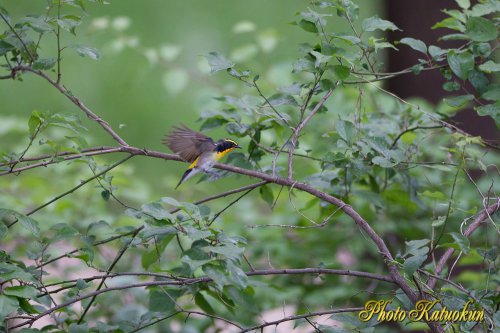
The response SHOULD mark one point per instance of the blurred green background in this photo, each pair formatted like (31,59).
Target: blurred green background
(152,73)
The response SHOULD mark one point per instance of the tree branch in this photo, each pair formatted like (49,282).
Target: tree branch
(478,220)
(301,126)
(110,239)
(119,255)
(74,188)
(411,130)
(181,281)
(185,282)
(290,318)
(379,242)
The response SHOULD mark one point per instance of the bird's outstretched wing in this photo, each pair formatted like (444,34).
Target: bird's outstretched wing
(187,143)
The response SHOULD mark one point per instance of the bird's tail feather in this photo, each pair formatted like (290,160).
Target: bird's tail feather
(188,174)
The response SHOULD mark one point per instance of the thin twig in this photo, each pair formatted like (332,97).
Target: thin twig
(119,255)
(411,130)
(113,238)
(32,58)
(74,188)
(478,220)
(216,215)
(301,126)
(296,317)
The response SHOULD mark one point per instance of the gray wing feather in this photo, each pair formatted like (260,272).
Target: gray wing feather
(187,143)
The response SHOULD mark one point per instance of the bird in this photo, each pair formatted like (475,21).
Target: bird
(198,149)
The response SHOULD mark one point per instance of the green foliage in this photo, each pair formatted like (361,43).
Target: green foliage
(152,259)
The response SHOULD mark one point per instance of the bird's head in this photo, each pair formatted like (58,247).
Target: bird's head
(226,145)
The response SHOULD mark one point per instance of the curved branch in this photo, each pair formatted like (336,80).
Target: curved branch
(411,130)
(379,242)
(478,220)
(289,182)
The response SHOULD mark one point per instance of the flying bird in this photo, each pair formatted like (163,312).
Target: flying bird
(198,149)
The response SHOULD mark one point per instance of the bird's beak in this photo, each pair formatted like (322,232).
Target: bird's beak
(237,146)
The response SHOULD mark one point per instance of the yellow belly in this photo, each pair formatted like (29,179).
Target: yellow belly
(217,156)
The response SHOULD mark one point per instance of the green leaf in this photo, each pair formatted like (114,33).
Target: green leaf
(480,29)
(320,58)
(27,307)
(241,297)
(37,23)
(37,118)
(417,247)
(492,93)
(303,65)
(462,241)
(150,231)
(380,43)
(282,99)
(26,221)
(383,162)
(218,62)
(86,51)
(3,230)
(162,301)
(156,210)
(450,23)
(201,301)
(267,195)
(196,234)
(152,256)
(451,86)
(413,263)
(415,44)
(346,38)
(217,274)
(485,8)
(238,129)
(229,251)
(8,305)
(69,23)
(346,130)
(70,122)
(10,271)
(458,101)
(438,222)
(376,23)
(79,328)
(479,81)
(314,17)
(464,4)
(63,231)
(308,26)
(492,110)
(461,64)
(436,52)
(341,72)
(21,291)
(489,67)
(44,64)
